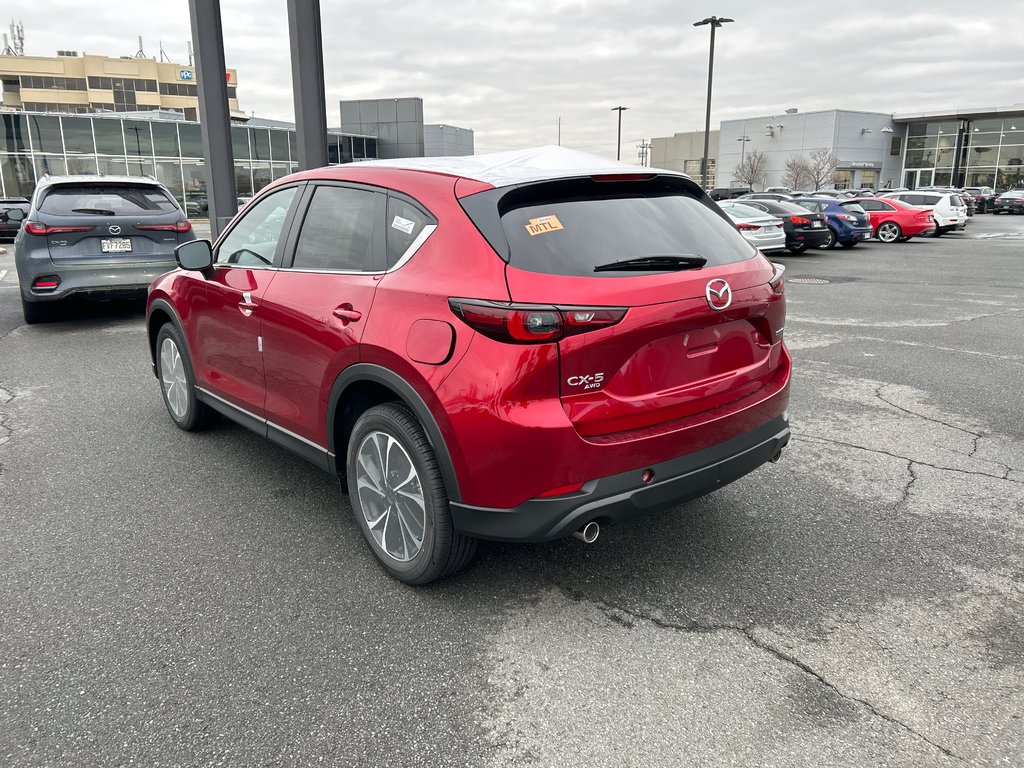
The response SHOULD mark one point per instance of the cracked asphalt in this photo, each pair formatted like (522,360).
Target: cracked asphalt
(172,599)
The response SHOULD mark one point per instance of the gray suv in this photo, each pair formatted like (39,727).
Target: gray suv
(97,237)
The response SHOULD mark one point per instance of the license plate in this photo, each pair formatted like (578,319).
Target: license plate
(116,245)
(816,224)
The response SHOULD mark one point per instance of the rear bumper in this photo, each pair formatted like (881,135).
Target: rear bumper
(626,496)
(854,234)
(106,281)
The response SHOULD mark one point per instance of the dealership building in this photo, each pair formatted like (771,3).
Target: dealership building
(965,147)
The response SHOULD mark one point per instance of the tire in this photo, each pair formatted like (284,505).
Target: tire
(390,433)
(849,243)
(798,248)
(889,232)
(178,382)
(938,233)
(38,312)
(831,242)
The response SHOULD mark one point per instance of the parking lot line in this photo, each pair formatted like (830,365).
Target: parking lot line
(3,274)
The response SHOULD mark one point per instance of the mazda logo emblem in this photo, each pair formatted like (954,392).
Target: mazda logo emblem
(719,294)
(115,230)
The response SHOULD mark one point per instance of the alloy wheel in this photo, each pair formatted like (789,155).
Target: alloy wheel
(391,496)
(172,376)
(888,232)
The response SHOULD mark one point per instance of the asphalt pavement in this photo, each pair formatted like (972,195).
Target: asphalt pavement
(176,599)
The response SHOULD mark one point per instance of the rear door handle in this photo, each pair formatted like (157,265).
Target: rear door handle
(346,314)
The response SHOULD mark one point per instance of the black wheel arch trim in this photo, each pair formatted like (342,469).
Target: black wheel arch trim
(408,394)
(167,307)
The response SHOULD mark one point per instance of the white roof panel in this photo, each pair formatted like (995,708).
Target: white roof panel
(502,169)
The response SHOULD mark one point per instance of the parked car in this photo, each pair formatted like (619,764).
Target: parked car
(483,349)
(846,226)
(728,193)
(886,190)
(760,229)
(765,196)
(782,190)
(1011,201)
(893,220)
(13,211)
(948,208)
(95,237)
(968,199)
(985,197)
(803,229)
(835,193)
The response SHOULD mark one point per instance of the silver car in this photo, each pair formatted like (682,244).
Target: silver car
(760,229)
(97,237)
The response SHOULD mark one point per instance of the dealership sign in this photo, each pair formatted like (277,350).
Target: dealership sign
(185,74)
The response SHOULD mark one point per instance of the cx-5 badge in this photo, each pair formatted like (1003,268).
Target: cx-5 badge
(718,294)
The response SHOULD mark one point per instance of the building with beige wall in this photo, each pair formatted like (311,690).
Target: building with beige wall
(73,84)
(684,151)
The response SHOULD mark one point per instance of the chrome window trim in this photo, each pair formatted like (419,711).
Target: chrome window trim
(414,246)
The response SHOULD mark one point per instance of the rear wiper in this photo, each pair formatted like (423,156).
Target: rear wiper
(96,211)
(654,264)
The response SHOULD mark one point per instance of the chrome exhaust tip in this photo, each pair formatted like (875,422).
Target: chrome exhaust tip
(776,457)
(588,533)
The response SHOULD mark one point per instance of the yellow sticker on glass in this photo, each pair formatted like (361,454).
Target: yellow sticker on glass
(543,224)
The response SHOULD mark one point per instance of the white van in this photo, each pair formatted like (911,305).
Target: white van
(948,208)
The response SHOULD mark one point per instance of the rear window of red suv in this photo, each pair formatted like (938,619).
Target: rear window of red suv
(106,200)
(570,227)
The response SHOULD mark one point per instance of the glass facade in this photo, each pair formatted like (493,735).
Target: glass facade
(991,153)
(33,145)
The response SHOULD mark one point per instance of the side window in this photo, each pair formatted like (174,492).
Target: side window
(405,223)
(885,207)
(872,205)
(253,241)
(338,231)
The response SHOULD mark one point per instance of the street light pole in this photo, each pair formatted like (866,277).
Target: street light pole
(713,21)
(618,145)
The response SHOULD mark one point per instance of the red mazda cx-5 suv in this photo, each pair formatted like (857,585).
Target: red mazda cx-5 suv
(519,346)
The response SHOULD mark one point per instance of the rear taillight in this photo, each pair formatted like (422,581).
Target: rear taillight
(846,217)
(182,226)
(778,281)
(532,323)
(45,283)
(800,220)
(35,228)
(748,227)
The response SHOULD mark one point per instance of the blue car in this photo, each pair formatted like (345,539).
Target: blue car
(847,225)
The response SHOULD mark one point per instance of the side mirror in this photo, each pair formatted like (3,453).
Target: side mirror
(196,255)
(15,214)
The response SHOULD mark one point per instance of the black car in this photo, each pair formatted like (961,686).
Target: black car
(984,196)
(10,222)
(728,193)
(803,228)
(1011,201)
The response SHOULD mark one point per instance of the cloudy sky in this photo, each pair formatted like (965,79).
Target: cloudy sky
(508,69)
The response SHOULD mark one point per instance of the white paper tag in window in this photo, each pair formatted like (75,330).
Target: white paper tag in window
(403,225)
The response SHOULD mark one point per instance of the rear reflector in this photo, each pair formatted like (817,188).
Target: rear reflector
(561,490)
(532,323)
(182,226)
(45,283)
(35,228)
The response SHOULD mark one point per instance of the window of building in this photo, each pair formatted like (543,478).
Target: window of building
(114,166)
(78,136)
(279,145)
(338,230)
(137,139)
(18,175)
(168,173)
(50,165)
(191,140)
(46,136)
(109,139)
(260,143)
(895,146)
(165,139)
(243,179)
(239,143)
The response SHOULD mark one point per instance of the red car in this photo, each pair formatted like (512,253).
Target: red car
(516,347)
(893,220)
